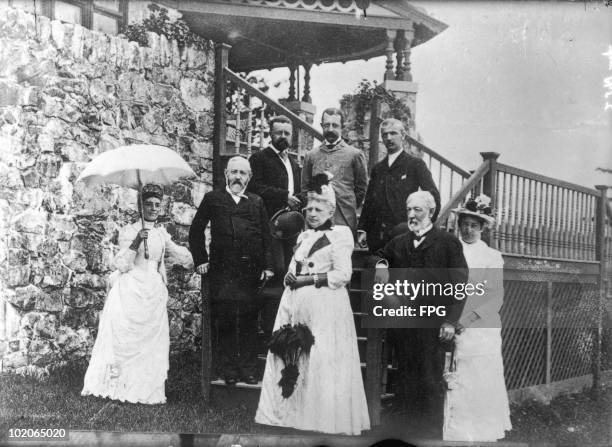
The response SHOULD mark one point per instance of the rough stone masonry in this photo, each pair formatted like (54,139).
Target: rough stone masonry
(66,95)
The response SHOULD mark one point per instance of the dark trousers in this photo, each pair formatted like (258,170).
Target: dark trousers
(420,388)
(234,343)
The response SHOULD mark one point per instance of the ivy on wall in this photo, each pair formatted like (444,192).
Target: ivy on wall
(362,99)
(160,23)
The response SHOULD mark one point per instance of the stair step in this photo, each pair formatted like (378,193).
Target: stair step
(220,382)
(246,386)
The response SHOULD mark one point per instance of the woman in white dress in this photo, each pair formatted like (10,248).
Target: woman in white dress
(329,396)
(129,361)
(476,407)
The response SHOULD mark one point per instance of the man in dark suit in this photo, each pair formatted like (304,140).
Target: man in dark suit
(276,179)
(239,258)
(431,256)
(393,179)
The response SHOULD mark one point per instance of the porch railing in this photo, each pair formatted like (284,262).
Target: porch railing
(242,114)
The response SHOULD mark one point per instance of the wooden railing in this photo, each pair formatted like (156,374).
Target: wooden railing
(242,114)
(448,176)
(544,217)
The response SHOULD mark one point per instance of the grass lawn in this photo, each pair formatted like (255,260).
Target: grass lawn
(56,403)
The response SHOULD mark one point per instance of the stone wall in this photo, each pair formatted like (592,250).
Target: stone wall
(66,95)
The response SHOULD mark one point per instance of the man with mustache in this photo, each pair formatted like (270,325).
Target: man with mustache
(276,179)
(426,255)
(346,164)
(393,179)
(239,258)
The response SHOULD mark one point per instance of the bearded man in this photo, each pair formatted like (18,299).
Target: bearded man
(426,255)
(239,258)
(276,179)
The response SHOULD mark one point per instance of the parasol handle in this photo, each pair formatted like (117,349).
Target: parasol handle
(146,247)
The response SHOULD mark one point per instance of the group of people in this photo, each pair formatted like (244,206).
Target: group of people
(313,268)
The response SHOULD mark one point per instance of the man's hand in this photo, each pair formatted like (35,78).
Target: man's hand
(447,331)
(362,238)
(202,269)
(266,274)
(293,202)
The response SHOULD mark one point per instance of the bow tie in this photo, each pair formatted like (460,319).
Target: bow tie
(331,145)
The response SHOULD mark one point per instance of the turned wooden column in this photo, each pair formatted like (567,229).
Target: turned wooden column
(406,50)
(292,96)
(306,96)
(391,34)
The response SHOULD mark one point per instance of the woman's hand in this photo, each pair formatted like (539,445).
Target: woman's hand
(141,236)
(290,280)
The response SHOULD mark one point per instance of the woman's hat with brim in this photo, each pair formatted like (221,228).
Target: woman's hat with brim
(480,207)
(286,224)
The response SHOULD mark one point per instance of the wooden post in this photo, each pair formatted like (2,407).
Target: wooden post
(221,61)
(549,315)
(489,187)
(389,73)
(306,96)
(600,251)
(219,133)
(400,44)
(292,69)
(374,133)
(373,379)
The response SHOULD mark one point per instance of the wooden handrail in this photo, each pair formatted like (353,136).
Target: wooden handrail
(440,158)
(274,105)
(544,179)
(458,197)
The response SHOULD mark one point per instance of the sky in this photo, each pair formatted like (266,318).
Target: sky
(525,79)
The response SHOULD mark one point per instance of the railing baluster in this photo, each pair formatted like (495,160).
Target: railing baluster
(523,223)
(262,119)
(249,132)
(237,138)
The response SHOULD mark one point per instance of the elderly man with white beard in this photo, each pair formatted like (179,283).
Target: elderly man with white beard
(432,256)
(239,257)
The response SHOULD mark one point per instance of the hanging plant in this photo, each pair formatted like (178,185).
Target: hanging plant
(362,99)
(160,23)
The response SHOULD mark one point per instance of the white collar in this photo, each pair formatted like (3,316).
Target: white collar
(393,157)
(241,194)
(333,143)
(279,152)
(424,230)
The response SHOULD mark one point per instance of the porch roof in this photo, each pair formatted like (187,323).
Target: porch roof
(276,33)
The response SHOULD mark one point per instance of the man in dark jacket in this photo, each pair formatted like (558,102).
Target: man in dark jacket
(393,179)
(239,257)
(431,256)
(276,179)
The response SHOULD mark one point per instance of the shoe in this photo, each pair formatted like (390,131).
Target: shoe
(251,380)
(230,381)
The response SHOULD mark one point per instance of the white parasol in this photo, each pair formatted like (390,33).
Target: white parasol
(134,165)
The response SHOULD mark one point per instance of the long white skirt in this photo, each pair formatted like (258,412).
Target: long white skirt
(477,409)
(329,395)
(133,337)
